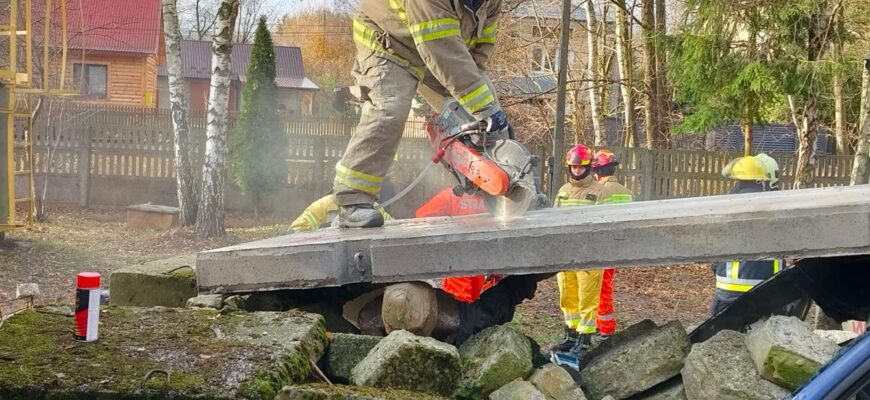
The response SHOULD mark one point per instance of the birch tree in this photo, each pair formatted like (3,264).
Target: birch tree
(623,56)
(861,165)
(210,216)
(179,107)
(592,75)
(650,98)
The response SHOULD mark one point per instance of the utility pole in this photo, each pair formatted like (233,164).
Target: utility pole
(562,83)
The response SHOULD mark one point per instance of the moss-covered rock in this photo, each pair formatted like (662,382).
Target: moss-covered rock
(786,352)
(403,360)
(341,392)
(344,352)
(491,359)
(157,353)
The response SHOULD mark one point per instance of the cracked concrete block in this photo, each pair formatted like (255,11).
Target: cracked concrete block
(241,356)
(722,368)
(785,351)
(405,361)
(344,352)
(168,282)
(491,359)
(639,364)
(517,390)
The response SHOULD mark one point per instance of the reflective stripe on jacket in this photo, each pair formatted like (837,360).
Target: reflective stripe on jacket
(613,192)
(444,37)
(579,193)
(741,276)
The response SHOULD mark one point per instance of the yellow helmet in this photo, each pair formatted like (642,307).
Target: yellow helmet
(746,168)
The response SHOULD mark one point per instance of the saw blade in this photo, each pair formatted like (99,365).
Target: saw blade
(514,158)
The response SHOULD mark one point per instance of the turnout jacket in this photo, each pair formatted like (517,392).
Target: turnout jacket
(449,39)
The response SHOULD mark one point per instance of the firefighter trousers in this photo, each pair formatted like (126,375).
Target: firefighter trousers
(579,296)
(390,89)
(606,318)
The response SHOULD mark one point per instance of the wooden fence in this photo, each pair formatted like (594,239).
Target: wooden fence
(121,157)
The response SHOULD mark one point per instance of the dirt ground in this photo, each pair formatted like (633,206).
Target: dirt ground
(75,240)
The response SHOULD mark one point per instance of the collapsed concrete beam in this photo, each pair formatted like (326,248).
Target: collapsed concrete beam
(790,224)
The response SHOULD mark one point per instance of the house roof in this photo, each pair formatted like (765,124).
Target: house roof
(527,86)
(196,64)
(549,9)
(765,138)
(103,25)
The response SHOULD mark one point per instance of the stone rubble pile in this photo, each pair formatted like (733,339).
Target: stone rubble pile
(644,362)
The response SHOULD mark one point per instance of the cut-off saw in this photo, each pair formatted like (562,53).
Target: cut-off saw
(493,165)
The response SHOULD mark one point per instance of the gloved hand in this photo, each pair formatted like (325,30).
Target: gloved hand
(496,122)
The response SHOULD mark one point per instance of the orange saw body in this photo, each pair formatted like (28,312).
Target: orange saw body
(501,168)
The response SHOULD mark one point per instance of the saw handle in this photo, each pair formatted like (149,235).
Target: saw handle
(438,156)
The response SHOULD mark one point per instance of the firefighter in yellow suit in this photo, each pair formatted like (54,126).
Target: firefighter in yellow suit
(579,290)
(436,47)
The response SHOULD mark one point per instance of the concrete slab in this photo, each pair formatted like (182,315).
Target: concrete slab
(802,223)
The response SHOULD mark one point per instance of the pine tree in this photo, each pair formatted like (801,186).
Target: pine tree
(258,147)
(719,73)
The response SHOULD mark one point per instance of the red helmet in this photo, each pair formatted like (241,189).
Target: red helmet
(579,155)
(603,157)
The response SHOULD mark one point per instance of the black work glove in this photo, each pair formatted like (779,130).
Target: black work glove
(496,122)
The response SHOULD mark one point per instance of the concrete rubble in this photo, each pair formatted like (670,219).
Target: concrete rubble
(215,301)
(638,364)
(556,383)
(405,361)
(491,359)
(837,336)
(785,351)
(722,367)
(168,283)
(670,390)
(517,390)
(341,392)
(344,352)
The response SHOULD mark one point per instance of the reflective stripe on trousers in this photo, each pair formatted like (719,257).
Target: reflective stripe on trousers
(579,296)
(371,149)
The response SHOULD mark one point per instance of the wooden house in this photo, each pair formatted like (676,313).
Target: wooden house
(295,92)
(114,49)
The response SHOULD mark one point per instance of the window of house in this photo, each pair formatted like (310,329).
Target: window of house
(92,80)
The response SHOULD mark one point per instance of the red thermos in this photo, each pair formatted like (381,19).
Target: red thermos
(87,306)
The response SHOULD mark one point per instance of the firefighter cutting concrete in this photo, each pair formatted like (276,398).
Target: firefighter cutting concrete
(438,47)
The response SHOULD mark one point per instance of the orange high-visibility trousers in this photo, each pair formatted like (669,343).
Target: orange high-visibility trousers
(606,319)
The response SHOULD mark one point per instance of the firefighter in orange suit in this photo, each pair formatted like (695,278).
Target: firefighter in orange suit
(579,290)
(436,47)
(447,204)
(604,164)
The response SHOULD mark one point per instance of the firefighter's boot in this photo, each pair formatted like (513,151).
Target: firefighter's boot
(360,216)
(568,341)
(583,344)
